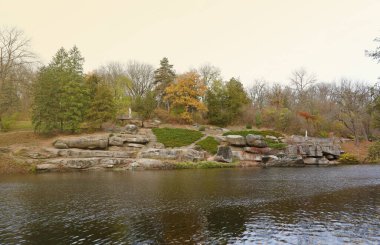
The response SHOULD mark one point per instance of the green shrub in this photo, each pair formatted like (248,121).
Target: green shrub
(7,122)
(176,137)
(248,126)
(203,165)
(202,128)
(374,153)
(348,158)
(209,144)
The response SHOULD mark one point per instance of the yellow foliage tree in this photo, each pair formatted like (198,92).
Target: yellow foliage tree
(185,93)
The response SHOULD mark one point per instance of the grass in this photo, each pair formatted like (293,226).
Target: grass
(203,165)
(209,144)
(176,137)
(22,125)
(271,143)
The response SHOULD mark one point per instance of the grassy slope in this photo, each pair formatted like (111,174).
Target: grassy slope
(209,144)
(176,137)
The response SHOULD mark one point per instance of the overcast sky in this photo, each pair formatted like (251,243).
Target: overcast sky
(244,38)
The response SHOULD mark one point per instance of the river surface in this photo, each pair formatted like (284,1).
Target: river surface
(329,205)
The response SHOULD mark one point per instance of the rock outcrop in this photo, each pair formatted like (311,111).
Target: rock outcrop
(90,142)
(224,154)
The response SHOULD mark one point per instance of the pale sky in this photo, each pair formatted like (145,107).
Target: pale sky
(244,38)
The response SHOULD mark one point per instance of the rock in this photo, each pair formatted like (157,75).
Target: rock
(91,142)
(152,123)
(74,153)
(252,137)
(244,156)
(46,166)
(258,143)
(120,139)
(156,145)
(135,145)
(116,141)
(283,161)
(221,139)
(331,149)
(330,157)
(236,140)
(131,129)
(192,155)
(271,137)
(148,163)
(84,163)
(315,161)
(174,154)
(170,154)
(224,154)
(262,151)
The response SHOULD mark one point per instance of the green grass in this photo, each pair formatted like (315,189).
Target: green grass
(22,125)
(271,143)
(209,144)
(203,165)
(176,137)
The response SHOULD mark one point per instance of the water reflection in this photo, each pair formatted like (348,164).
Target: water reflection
(295,206)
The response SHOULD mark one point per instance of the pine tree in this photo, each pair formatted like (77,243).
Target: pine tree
(163,77)
(60,96)
(102,107)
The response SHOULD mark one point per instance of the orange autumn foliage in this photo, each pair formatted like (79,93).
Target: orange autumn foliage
(186,93)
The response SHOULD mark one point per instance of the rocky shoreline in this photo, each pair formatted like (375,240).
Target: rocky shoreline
(134,148)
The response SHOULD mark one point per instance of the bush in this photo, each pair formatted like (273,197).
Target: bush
(176,137)
(374,153)
(348,158)
(248,126)
(202,128)
(209,144)
(7,122)
(203,165)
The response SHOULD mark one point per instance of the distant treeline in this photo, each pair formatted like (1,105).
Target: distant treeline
(60,97)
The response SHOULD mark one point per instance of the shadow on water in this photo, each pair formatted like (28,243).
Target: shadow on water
(295,206)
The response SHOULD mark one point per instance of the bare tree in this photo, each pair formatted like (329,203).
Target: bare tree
(302,80)
(141,76)
(353,99)
(14,52)
(257,93)
(209,73)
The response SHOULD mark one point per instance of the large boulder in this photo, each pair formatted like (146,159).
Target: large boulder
(236,140)
(261,151)
(316,161)
(90,142)
(245,156)
(85,163)
(120,139)
(130,129)
(75,153)
(256,141)
(148,163)
(173,154)
(224,154)
(283,161)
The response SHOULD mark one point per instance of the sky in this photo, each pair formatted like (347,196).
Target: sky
(249,39)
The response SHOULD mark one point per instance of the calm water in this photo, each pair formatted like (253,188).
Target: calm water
(217,206)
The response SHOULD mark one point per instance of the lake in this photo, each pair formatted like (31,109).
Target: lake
(310,205)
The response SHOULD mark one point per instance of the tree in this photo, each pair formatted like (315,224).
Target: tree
(163,77)
(15,60)
(225,101)
(141,78)
(60,95)
(185,94)
(209,73)
(352,99)
(144,106)
(257,93)
(102,107)
(375,54)
(301,80)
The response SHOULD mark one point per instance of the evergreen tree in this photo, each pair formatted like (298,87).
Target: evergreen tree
(60,97)
(163,77)
(102,107)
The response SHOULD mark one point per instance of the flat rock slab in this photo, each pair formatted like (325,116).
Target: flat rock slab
(236,140)
(90,142)
(75,153)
